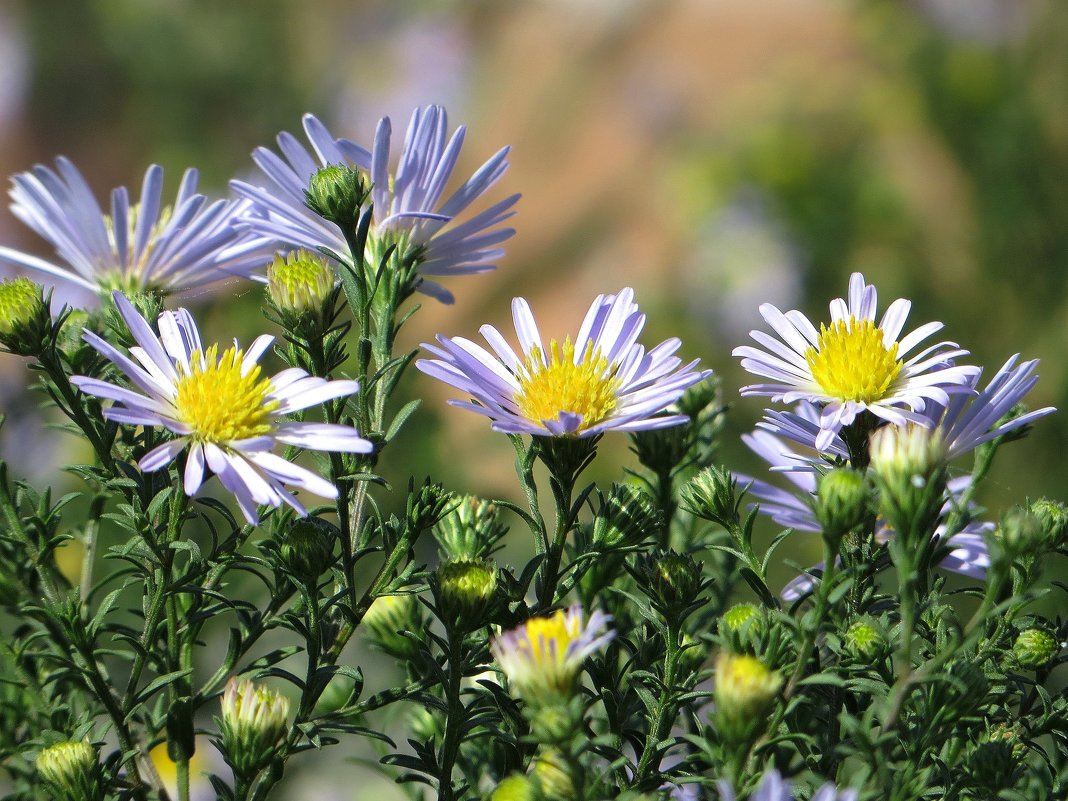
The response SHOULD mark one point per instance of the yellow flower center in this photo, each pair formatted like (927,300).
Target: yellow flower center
(586,388)
(851,362)
(219,403)
(550,637)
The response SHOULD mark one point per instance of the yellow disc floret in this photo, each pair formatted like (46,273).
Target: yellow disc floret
(550,638)
(219,403)
(851,362)
(586,387)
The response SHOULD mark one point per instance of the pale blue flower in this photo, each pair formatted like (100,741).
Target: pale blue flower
(774,788)
(411,209)
(133,247)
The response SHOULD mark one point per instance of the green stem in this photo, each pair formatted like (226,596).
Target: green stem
(450,746)
(664,716)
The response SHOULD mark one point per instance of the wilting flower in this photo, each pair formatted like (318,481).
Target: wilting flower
(224,412)
(854,365)
(133,247)
(543,657)
(409,209)
(603,380)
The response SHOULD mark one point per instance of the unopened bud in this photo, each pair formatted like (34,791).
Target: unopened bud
(516,787)
(387,617)
(308,547)
(712,495)
(254,721)
(24,319)
(465,591)
(1035,648)
(842,500)
(470,530)
(552,775)
(1053,517)
(866,639)
(336,193)
(910,468)
(627,517)
(71,770)
(745,689)
(299,282)
(672,581)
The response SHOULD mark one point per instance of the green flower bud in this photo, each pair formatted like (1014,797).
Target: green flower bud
(465,591)
(997,756)
(24,319)
(1020,532)
(470,530)
(254,721)
(712,495)
(910,469)
(552,775)
(387,617)
(299,282)
(516,787)
(672,581)
(71,770)
(1035,648)
(842,500)
(627,517)
(1053,517)
(740,614)
(337,193)
(426,506)
(866,639)
(308,547)
(745,689)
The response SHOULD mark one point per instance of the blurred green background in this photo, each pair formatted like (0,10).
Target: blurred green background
(714,154)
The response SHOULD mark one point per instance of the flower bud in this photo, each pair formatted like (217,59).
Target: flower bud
(426,506)
(516,787)
(552,775)
(24,318)
(742,626)
(337,193)
(470,530)
(299,282)
(1035,648)
(465,591)
(1053,517)
(692,655)
(254,721)
(389,615)
(740,614)
(712,495)
(308,547)
(842,500)
(1020,532)
(910,469)
(627,517)
(672,581)
(71,770)
(866,639)
(745,689)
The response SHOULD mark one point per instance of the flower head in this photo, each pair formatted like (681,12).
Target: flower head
(254,720)
(543,657)
(223,410)
(852,364)
(411,210)
(774,788)
(602,380)
(134,247)
(299,282)
(71,770)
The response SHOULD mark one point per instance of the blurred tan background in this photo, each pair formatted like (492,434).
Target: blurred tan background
(714,154)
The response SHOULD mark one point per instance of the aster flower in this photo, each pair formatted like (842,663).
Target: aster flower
(225,414)
(408,207)
(854,365)
(793,508)
(603,380)
(543,657)
(774,788)
(133,247)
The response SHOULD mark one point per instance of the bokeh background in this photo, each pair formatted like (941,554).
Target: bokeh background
(714,154)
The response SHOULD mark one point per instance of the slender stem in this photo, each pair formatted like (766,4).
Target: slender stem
(664,715)
(450,746)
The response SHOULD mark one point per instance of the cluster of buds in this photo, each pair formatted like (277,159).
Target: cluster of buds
(254,721)
(71,771)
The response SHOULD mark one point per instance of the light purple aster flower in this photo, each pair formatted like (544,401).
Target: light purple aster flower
(226,415)
(603,380)
(133,247)
(543,657)
(411,209)
(854,365)
(774,788)
(793,508)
